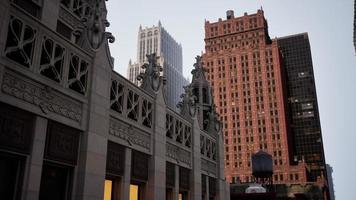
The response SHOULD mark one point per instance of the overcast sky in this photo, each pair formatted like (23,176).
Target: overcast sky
(329,24)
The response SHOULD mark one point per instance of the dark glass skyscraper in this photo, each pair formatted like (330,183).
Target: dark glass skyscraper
(302,104)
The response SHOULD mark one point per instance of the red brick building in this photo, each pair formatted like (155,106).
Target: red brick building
(243,66)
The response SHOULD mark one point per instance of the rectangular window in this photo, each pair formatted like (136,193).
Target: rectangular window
(108,189)
(55,182)
(134,192)
(11,173)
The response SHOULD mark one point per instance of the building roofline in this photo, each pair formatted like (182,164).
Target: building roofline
(293,35)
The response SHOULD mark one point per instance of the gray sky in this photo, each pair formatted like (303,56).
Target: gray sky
(329,24)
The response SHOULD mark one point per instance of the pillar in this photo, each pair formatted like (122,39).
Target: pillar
(32,182)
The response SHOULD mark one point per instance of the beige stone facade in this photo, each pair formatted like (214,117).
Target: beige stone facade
(68,121)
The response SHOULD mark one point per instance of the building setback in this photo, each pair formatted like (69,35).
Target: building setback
(249,81)
(157,40)
(73,128)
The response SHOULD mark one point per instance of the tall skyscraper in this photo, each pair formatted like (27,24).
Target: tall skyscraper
(157,40)
(244,69)
(251,88)
(303,115)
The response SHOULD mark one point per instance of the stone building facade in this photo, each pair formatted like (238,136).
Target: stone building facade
(73,128)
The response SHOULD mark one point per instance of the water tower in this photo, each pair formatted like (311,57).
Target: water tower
(262,168)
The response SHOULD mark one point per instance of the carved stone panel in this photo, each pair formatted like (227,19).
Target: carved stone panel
(208,166)
(62,143)
(139,166)
(47,100)
(184,178)
(170,174)
(16,129)
(179,154)
(129,134)
(115,159)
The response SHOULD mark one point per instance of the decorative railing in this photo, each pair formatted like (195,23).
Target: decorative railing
(208,150)
(129,102)
(33,46)
(178,130)
(208,146)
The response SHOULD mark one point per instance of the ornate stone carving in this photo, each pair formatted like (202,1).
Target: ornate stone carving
(146,113)
(52,59)
(129,134)
(187,105)
(62,143)
(198,71)
(132,105)
(208,147)
(212,122)
(151,79)
(44,98)
(94,24)
(169,126)
(178,154)
(117,96)
(78,74)
(20,42)
(69,18)
(208,166)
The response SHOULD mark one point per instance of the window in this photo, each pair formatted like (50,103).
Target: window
(134,192)
(108,189)
(55,182)
(11,174)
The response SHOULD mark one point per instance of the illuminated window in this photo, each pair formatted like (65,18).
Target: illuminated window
(180,196)
(133,192)
(108,190)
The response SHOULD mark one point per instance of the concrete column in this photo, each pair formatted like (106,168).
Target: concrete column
(207,193)
(223,188)
(126,179)
(50,11)
(31,189)
(176,183)
(93,146)
(156,185)
(195,180)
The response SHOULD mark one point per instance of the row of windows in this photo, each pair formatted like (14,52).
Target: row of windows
(237,26)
